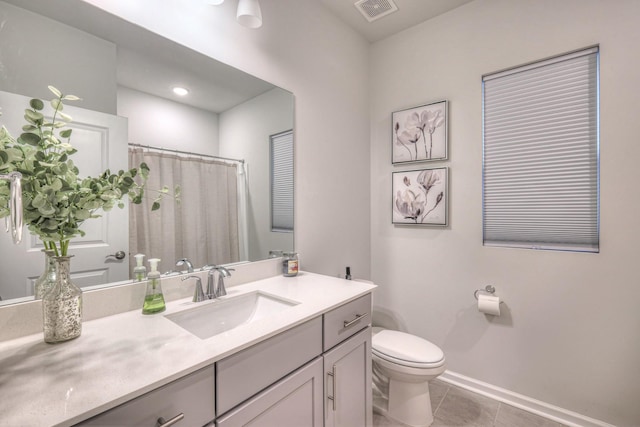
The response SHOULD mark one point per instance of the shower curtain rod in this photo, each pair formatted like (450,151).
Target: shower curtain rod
(189,153)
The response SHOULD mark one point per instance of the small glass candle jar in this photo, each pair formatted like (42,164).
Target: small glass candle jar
(290,264)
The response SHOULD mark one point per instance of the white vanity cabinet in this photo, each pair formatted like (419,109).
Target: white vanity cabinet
(315,374)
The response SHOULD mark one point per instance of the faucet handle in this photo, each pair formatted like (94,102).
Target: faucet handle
(198,294)
(225,272)
(185,261)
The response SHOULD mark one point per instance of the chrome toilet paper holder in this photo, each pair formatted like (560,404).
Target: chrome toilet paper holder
(489,289)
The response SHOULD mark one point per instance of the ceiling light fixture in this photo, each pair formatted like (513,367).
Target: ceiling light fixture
(214,2)
(249,13)
(180,91)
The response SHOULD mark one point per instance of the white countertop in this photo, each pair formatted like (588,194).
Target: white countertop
(123,356)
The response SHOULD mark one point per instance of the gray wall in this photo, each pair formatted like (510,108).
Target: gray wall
(244,133)
(163,123)
(53,54)
(569,335)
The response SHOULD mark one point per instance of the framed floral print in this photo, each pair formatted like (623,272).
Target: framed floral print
(420,133)
(420,196)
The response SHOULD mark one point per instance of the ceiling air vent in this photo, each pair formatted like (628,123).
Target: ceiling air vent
(375,9)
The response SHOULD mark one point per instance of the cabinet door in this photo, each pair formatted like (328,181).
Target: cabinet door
(347,382)
(295,401)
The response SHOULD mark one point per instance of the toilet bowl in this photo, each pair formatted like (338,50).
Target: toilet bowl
(403,365)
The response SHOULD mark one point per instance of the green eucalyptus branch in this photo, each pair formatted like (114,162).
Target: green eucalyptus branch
(56,201)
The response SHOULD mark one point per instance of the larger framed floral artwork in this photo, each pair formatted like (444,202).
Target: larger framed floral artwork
(420,196)
(420,133)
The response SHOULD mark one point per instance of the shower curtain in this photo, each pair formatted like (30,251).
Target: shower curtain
(203,226)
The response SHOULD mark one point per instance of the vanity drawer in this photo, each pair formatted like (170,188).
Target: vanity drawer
(192,396)
(346,320)
(263,364)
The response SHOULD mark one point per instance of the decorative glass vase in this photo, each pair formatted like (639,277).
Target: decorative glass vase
(62,305)
(44,282)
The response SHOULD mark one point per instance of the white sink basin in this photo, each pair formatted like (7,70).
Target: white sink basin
(209,319)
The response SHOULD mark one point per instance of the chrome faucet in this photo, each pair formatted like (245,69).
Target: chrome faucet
(185,261)
(220,290)
(198,294)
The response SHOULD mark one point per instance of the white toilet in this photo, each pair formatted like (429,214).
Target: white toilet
(403,365)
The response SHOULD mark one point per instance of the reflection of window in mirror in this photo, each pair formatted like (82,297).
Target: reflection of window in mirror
(281,153)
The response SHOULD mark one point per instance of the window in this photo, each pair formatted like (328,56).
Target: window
(541,154)
(282,181)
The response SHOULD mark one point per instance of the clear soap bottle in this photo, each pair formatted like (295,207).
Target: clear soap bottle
(139,271)
(153,299)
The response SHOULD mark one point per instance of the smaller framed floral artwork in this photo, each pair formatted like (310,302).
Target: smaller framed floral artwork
(420,196)
(419,133)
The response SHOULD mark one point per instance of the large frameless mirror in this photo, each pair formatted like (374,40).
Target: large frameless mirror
(214,142)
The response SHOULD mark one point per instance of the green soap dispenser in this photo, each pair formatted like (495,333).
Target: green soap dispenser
(153,299)
(139,271)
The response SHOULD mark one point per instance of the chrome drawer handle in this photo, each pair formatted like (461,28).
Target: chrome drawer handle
(358,317)
(332,398)
(172,421)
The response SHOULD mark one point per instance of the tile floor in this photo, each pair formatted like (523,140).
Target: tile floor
(454,406)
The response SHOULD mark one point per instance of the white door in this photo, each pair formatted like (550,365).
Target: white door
(101,141)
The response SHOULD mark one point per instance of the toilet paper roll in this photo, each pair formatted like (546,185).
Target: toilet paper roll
(489,304)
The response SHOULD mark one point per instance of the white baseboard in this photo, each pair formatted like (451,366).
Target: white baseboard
(525,403)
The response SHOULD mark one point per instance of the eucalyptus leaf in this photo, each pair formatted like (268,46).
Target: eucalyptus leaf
(56,184)
(29,138)
(56,104)
(38,201)
(36,104)
(65,117)
(34,116)
(83,214)
(55,91)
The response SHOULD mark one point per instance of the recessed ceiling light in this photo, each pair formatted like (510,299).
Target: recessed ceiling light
(214,2)
(180,91)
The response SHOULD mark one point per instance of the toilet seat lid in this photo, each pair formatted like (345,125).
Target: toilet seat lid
(406,349)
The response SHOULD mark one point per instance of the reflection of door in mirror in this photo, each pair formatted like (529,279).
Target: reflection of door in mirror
(101,143)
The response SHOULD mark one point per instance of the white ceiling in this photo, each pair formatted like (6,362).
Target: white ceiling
(409,13)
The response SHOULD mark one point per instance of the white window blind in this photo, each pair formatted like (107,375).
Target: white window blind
(541,166)
(282,181)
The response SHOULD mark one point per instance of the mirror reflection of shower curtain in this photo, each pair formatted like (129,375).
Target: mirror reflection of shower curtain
(202,227)
(243,231)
